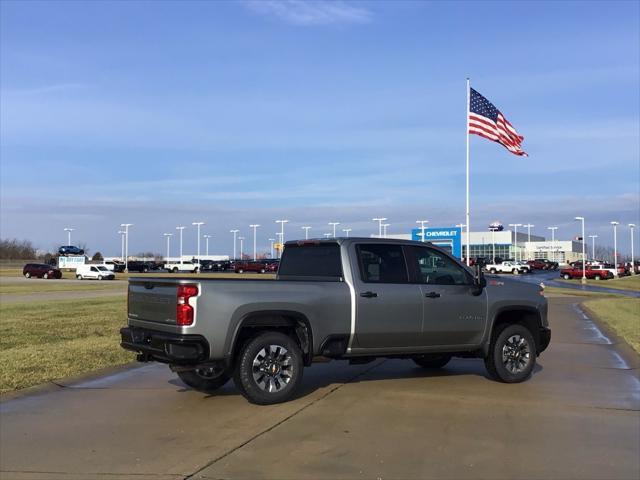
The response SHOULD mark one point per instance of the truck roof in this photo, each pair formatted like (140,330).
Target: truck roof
(347,240)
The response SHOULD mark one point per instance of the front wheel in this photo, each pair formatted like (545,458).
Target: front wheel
(515,271)
(493,270)
(432,361)
(205,380)
(512,354)
(269,368)
(566,276)
(27,275)
(175,270)
(99,277)
(598,277)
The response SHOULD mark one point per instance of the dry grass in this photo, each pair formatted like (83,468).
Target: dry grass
(43,341)
(53,286)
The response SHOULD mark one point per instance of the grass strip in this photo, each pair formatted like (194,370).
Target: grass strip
(52,286)
(43,341)
(623,283)
(621,314)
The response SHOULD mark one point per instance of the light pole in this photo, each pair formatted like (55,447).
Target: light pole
(168,237)
(553,242)
(492,229)
(198,224)
(272,240)
(241,247)
(422,223)
(235,233)
(126,244)
(206,239)
(515,235)
(281,222)
(69,230)
(584,254)
(379,220)
(593,246)
(615,247)
(181,228)
(279,236)
(326,235)
(306,232)
(255,255)
(384,229)
(529,226)
(633,265)
(346,230)
(334,227)
(122,232)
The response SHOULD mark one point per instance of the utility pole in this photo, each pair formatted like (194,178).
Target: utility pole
(122,233)
(281,222)
(334,227)
(633,263)
(379,220)
(272,240)
(584,253)
(126,244)
(615,247)
(198,224)
(69,230)
(346,230)
(384,229)
(206,239)
(553,243)
(241,247)
(529,226)
(593,246)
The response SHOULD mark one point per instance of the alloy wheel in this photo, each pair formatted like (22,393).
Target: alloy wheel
(516,354)
(272,368)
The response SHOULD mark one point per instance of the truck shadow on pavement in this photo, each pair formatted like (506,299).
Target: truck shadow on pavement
(339,373)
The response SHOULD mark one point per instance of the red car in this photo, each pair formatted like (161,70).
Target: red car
(537,265)
(41,270)
(256,267)
(590,272)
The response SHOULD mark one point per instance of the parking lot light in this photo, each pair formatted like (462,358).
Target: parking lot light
(272,240)
(206,239)
(255,255)
(126,244)
(633,265)
(168,237)
(553,242)
(241,246)
(69,230)
(235,233)
(422,223)
(515,235)
(384,229)
(346,231)
(379,220)
(181,228)
(584,253)
(334,227)
(306,232)
(121,232)
(281,222)
(198,225)
(593,246)
(529,226)
(615,247)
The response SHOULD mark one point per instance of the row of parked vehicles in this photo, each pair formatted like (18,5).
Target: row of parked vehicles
(598,270)
(515,267)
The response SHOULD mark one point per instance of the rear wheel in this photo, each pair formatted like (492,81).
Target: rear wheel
(566,276)
(262,270)
(493,270)
(45,276)
(512,354)
(269,368)
(99,277)
(206,379)
(175,270)
(240,270)
(515,271)
(27,275)
(432,361)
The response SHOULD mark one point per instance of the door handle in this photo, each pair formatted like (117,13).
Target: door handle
(432,295)
(368,294)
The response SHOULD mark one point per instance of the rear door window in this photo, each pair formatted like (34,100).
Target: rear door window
(382,263)
(311,260)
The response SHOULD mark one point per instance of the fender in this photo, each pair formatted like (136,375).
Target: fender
(273,318)
(511,308)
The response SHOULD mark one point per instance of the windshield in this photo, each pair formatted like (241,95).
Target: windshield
(105,269)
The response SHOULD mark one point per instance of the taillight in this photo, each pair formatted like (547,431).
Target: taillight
(184,311)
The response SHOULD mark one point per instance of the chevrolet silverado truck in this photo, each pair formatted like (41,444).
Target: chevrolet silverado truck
(355,299)
(508,266)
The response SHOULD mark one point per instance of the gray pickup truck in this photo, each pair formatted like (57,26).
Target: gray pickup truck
(345,298)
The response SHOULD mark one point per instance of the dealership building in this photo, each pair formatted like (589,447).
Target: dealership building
(503,244)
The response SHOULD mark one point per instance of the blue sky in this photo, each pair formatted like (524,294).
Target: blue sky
(165,113)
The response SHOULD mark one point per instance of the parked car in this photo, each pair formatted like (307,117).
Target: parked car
(41,270)
(250,266)
(95,272)
(525,267)
(506,267)
(537,265)
(590,272)
(114,266)
(621,270)
(70,250)
(212,266)
(183,267)
(550,264)
(142,266)
(354,299)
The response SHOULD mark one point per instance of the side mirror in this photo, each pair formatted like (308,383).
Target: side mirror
(479,282)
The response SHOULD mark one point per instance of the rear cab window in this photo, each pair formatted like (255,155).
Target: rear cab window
(382,263)
(317,260)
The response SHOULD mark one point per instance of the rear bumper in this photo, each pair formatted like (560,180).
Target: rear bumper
(544,338)
(165,347)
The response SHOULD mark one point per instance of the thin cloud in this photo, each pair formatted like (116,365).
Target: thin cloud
(310,13)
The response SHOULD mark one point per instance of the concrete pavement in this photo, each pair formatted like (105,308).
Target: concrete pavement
(577,417)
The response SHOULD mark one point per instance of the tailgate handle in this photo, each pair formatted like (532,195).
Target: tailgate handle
(432,295)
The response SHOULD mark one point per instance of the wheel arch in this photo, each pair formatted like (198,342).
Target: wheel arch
(525,315)
(294,323)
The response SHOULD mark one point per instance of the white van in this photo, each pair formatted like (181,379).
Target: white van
(96,272)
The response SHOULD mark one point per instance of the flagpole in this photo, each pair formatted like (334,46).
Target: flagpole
(468,222)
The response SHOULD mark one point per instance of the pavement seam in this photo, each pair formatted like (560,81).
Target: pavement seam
(272,427)
(105,474)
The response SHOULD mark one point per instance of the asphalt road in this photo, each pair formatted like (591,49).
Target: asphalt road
(577,417)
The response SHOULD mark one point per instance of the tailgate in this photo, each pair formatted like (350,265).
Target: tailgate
(153,301)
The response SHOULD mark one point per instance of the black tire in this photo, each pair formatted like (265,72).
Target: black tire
(511,339)
(432,361)
(275,351)
(27,275)
(175,270)
(566,276)
(204,380)
(145,270)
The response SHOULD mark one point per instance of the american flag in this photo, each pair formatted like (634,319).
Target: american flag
(488,122)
